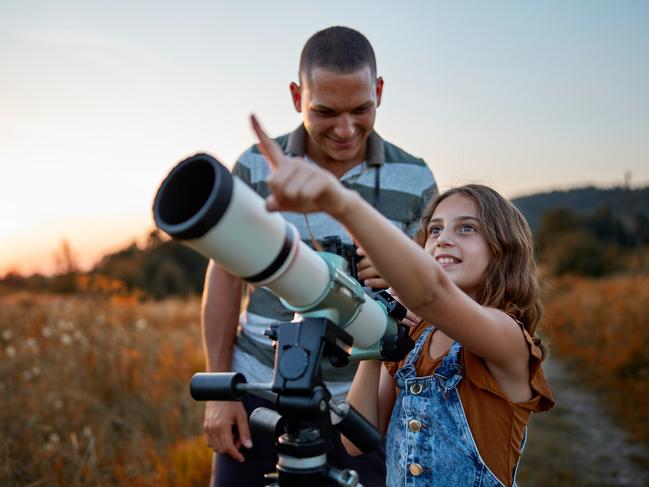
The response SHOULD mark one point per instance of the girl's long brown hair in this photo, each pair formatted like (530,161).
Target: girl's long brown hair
(510,281)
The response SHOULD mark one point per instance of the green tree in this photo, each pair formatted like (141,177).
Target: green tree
(552,224)
(579,252)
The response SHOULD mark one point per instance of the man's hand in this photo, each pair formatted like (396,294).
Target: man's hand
(411,320)
(370,277)
(367,273)
(226,428)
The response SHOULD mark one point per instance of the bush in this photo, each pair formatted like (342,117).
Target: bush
(579,252)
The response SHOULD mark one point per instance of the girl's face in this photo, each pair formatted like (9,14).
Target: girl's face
(456,241)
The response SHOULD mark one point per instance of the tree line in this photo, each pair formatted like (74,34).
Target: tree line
(573,238)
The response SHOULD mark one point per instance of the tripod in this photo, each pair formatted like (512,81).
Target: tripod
(306,418)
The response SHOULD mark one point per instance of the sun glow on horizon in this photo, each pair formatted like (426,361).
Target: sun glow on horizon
(33,252)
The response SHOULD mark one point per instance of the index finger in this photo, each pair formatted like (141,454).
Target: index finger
(268,147)
(227,446)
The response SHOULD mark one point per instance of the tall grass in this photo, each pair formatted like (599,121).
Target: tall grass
(95,391)
(603,326)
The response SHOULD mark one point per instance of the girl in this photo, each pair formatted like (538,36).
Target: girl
(456,408)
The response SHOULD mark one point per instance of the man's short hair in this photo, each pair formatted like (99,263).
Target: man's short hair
(339,49)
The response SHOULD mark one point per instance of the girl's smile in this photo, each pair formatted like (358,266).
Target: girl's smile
(446,260)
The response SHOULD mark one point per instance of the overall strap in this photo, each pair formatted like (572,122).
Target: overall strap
(450,370)
(416,351)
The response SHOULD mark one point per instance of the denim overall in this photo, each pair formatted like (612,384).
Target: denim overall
(429,442)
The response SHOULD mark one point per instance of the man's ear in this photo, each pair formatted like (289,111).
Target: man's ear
(296,95)
(379,90)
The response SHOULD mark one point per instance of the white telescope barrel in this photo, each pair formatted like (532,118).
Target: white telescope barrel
(200,203)
(204,206)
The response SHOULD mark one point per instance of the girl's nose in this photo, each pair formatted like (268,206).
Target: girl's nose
(444,239)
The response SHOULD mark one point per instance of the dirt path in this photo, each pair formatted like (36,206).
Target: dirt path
(578,443)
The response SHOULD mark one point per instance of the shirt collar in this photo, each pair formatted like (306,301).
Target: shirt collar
(375,155)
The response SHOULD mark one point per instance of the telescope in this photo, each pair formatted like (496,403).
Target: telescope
(201,204)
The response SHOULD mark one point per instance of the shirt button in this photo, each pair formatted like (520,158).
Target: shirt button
(415,469)
(414,425)
(415,388)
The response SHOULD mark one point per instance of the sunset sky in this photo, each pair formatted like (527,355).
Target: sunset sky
(98,100)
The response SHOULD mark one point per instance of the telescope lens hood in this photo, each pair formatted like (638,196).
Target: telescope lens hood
(193,197)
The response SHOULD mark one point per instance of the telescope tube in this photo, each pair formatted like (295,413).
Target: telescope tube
(201,204)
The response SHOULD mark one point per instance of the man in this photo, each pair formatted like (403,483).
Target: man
(338,94)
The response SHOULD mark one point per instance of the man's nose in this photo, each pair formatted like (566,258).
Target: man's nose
(344,127)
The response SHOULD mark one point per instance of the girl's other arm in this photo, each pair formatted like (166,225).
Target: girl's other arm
(372,394)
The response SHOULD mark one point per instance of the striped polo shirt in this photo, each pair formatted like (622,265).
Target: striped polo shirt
(398,184)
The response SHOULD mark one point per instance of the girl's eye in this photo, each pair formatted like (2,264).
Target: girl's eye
(434,230)
(466,228)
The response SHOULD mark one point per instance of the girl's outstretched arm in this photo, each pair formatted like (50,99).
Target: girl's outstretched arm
(420,282)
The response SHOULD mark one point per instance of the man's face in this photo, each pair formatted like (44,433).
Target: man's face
(339,112)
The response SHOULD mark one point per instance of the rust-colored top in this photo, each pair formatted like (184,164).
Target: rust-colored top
(496,423)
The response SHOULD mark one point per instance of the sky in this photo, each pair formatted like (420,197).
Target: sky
(98,100)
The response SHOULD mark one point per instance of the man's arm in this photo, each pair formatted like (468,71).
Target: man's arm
(219,321)
(220,317)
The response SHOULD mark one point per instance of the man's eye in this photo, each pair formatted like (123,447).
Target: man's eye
(361,110)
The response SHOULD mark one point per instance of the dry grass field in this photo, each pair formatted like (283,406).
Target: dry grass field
(598,433)
(602,327)
(94,390)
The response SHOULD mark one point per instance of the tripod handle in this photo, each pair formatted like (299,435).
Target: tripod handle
(226,386)
(267,422)
(355,427)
